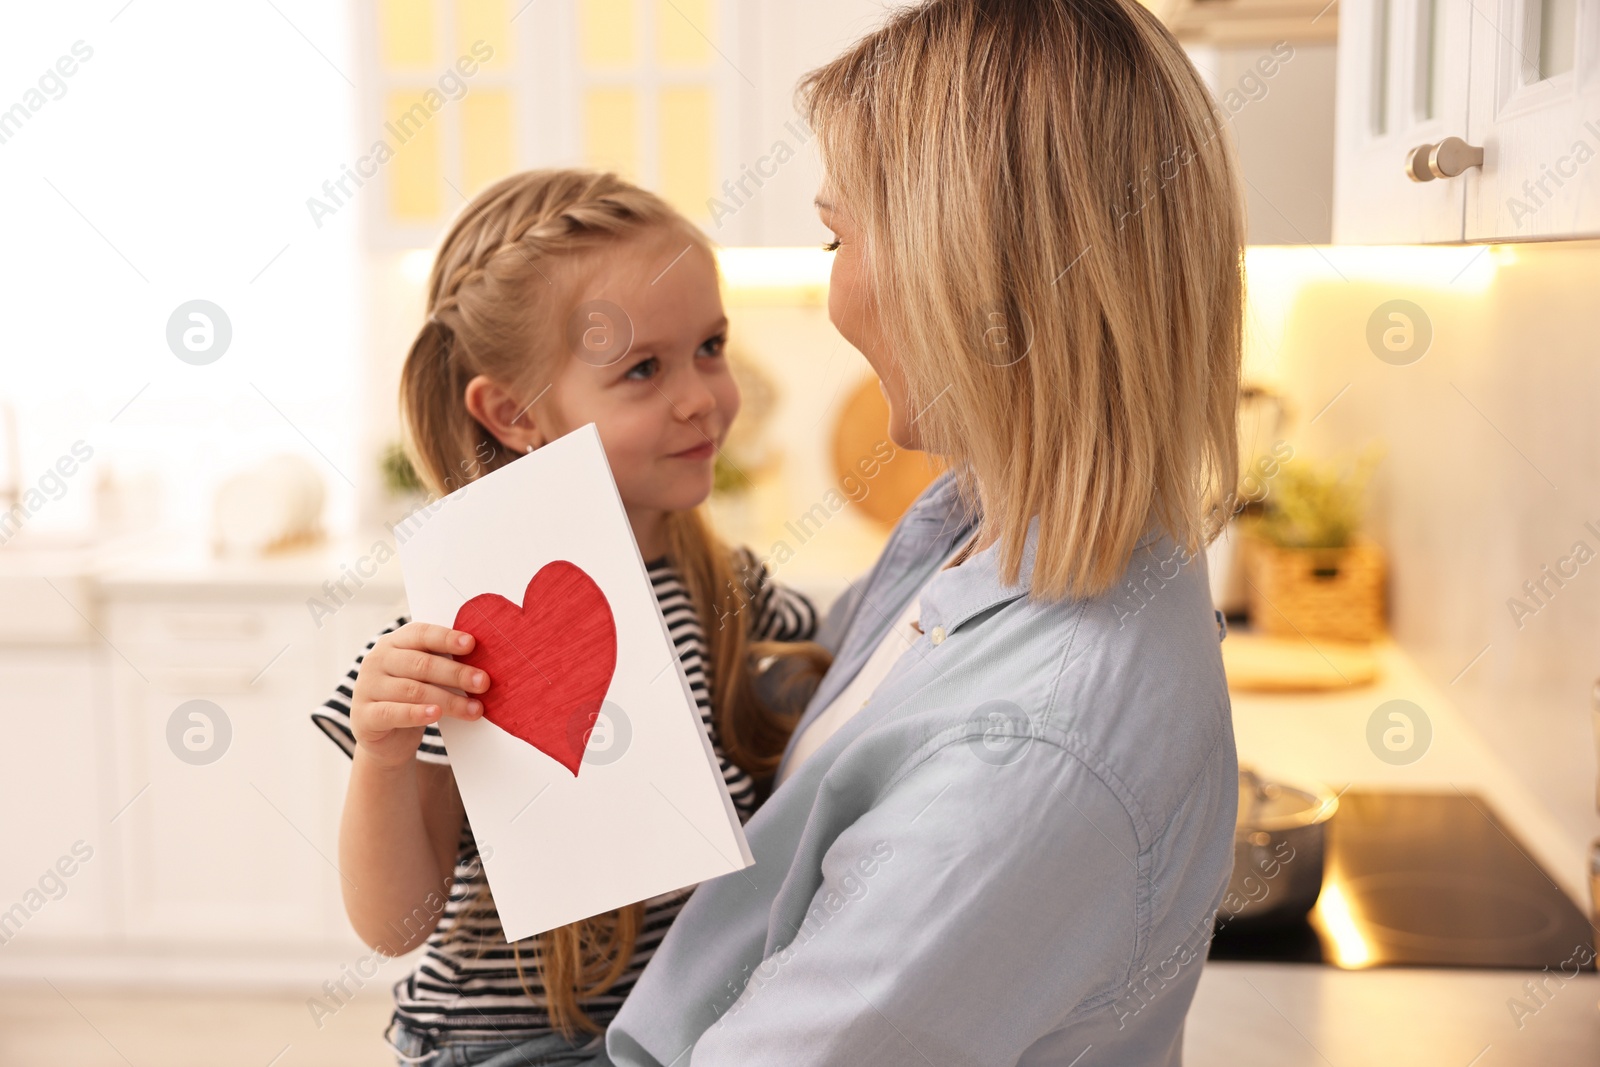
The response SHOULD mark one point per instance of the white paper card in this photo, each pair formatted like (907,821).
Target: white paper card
(648,811)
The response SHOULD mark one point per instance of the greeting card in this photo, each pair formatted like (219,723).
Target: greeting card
(590,781)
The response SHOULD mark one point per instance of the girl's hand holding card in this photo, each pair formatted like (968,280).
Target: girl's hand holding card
(407,681)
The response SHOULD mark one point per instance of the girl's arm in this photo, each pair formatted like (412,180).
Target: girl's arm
(397,850)
(402,818)
(781,613)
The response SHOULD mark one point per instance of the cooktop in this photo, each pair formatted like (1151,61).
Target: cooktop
(1421,880)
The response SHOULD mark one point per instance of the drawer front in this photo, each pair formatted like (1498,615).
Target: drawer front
(57,609)
(223,638)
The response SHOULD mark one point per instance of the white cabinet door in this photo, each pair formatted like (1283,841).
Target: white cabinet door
(779,168)
(1536,113)
(226,842)
(57,867)
(1403,82)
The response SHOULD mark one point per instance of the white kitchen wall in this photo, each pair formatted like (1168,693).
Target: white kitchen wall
(1492,473)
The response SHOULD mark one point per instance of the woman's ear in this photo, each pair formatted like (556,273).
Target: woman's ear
(512,421)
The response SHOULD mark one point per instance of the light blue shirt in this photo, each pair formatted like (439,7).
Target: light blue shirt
(1011,855)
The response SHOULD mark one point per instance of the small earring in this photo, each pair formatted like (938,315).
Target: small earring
(530,448)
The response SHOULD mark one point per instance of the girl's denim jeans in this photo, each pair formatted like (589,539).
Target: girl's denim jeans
(415,1048)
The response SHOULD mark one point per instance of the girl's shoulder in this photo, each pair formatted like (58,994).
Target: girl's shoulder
(778,611)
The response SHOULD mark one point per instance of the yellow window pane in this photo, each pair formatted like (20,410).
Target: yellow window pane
(488,141)
(686,148)
(488,21)
(611,130)
(405,30)
(607,30)
(415,178)
(684,32)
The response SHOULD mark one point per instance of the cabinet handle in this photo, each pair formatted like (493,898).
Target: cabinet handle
(1447,159)
(1453,156)
(1417,163)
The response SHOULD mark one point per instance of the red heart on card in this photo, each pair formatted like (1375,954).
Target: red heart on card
(549,661)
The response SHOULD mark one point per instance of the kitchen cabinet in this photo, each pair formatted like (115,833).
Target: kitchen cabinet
(1272,93)
(228,840)
(778,171)
(233,837)
(57,869)
(1467,121)
(1402,81)
(1535,108)
(174,741)
(1248,22)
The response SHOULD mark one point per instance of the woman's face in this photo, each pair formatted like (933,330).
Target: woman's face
(853,308)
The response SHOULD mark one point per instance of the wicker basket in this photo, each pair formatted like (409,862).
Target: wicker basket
(1316,592)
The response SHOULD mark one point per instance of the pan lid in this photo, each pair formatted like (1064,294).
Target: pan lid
(1267,805)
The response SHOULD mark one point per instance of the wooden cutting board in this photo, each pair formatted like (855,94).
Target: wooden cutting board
(1258,664)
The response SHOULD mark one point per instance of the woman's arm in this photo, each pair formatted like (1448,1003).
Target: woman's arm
(973,910)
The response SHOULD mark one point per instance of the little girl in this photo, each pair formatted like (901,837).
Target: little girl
(558,298)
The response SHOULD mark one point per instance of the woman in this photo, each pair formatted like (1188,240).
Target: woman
(1005,821)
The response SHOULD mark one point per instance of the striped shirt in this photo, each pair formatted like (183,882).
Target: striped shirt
(467,983)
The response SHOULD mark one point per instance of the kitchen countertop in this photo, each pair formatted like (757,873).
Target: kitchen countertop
(174,563)
(1291,1014)
(166,563)
(1322,737)
(168,558)
(1307,1015)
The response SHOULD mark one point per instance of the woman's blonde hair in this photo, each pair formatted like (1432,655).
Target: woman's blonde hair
(1054,234)
(500,292)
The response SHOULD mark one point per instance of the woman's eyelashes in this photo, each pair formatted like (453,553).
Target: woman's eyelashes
(831,246)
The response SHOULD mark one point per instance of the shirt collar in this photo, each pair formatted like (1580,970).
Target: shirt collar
(938,510)
(956,594)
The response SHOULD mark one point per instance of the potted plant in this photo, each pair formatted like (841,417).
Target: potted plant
(1311,573)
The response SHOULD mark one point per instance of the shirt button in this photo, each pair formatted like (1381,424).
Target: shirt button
(936,635)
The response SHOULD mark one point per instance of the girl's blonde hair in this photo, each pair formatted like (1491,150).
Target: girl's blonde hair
(1054,233)
(499,295)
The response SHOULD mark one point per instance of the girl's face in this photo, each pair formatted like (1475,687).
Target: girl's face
(645,363)
(853,308)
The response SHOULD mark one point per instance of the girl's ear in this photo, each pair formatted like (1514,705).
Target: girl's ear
(512,422)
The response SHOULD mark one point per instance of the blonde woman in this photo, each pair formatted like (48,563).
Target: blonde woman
(1005,821)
